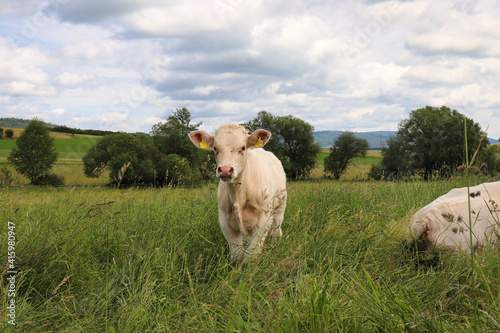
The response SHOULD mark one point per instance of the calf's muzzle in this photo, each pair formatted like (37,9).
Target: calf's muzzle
(225,172)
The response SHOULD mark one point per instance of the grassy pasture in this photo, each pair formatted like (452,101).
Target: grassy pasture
(70,149)
(95,259)
(358,170)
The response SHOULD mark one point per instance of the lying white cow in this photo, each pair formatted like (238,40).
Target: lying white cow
(445,221)
(252,188)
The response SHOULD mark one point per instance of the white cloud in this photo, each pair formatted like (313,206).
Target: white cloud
(123,64)
(92,50)
(72,79)
(22,70)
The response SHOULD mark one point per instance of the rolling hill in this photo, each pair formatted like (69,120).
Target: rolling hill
(376,140)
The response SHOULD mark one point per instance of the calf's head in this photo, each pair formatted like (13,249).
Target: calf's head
(230,144)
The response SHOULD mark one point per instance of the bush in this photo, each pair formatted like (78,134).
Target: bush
(9,133)
(377,172)
(492,156)
(174,170)
(5,176)
(130,159)
(49,180)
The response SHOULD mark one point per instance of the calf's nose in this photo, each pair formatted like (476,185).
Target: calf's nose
(225,171)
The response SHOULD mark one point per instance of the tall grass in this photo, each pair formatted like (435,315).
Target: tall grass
(145,260)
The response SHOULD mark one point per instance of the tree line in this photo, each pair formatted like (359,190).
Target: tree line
(168,157)
(431,142)
(70,130)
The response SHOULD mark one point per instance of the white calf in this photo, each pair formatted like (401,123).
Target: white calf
(252,189)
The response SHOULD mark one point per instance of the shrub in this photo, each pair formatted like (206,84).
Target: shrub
(9,133)
(174,170)
(377,172)
(49,180)
(5,176)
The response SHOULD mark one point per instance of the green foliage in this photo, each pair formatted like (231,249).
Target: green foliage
(1,133)
(172,137)
(396,162)
(344,149)
(69,130)
(34,153)
(492,158)
(173,170)
(376,172)
(49,180)
(168,157)
(431,141)
(292,142)
(117,150)
(9,133)
(5,176)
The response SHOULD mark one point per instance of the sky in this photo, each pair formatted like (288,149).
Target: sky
(125,65)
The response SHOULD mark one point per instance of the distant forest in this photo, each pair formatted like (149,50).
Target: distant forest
(22,123)
(69,130)
(17,123)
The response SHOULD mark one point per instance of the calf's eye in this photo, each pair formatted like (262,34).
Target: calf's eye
(243,148)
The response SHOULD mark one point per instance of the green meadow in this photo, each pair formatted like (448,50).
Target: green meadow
(96,259)
(70,150)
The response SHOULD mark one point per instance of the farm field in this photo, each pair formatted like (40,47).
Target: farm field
(95,259)
(358,170)
(70,149)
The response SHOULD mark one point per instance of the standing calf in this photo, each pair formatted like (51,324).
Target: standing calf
(252,188)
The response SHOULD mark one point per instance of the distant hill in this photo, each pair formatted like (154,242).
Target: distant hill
(376,140)
(18,123)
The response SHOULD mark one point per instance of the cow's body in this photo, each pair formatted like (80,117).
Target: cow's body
(445,221)
(252,190)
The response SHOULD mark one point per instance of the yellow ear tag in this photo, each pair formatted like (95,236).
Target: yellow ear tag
(204,144)
(259,143)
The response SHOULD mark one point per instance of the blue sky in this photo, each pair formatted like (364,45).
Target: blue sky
(340,65)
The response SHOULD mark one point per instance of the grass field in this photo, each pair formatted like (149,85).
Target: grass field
(94,259)
(70,150)
(358,170)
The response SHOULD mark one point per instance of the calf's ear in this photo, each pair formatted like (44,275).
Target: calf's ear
(202,139)
(258,138)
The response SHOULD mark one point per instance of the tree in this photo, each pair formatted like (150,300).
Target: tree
(1,133)
(9,133)
(130,159)
(172,137)
(292,142)
(34,153)
(430,141)
(492,157)
(344,149)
